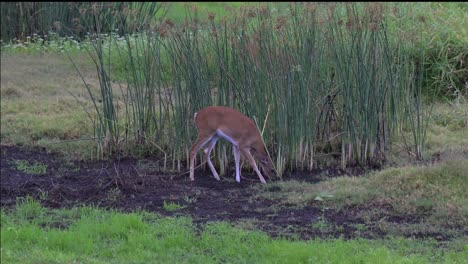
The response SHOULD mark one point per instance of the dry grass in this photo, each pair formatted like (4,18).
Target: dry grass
(36,105)
(44,75)
(448,130)
(434,193)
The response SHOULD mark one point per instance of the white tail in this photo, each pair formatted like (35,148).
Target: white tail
(214,122)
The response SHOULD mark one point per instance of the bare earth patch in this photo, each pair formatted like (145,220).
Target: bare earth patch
(126,185)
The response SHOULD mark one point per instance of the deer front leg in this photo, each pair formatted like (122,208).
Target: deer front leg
(207,152)
(201,141)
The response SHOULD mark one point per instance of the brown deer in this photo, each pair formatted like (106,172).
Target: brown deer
(216,122)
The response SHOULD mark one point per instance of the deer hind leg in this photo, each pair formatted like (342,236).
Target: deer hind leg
(207,152)
(252,162)
(236,151)
(201,141)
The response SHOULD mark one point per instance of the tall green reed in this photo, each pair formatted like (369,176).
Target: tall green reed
(317,79)
(21,20)
(113,127)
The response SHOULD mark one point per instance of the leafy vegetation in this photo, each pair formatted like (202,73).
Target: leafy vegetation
(36,168)
(172,206)
(156,104)
(22,20)
(85,234)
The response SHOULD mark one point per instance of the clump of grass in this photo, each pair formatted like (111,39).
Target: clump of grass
(172,206)
(36,168)
(436,192)
(28,209)
(11,93)
(453,117)
(290,193)
(322,225)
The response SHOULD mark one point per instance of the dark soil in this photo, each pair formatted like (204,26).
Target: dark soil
(129,185)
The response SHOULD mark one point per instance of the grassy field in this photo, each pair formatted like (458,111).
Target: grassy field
(32,234)
(44,104)
(434,197)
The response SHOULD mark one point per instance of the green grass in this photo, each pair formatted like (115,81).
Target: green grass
(37,107)
(39,119)
(322,225)
(172,206)
(434,195)
(407,188)
(442,27)
(32,234)
(25,166)
(179,11)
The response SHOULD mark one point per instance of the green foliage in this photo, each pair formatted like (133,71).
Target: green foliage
(441,26)
(172,206)
(435,195)
(28,209)
(262,60)
(322,225)
(179,11)
(50,43)
(22,20)
(454,118)
(98,236)
(36,168)
(176,70)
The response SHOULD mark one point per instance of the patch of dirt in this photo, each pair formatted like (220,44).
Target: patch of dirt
(128,186)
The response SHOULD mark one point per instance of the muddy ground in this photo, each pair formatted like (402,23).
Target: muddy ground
(128,185)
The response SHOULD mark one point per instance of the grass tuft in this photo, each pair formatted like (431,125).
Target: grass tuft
(25,166)
(172,206)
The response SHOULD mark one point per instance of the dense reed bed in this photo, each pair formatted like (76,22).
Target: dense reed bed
(322,81)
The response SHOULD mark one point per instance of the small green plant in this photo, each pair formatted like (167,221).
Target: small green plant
(340,228)
(323,196)
(322,225)
(360,228)
(171,206)
(25,166)
(43,195)
(189,199)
